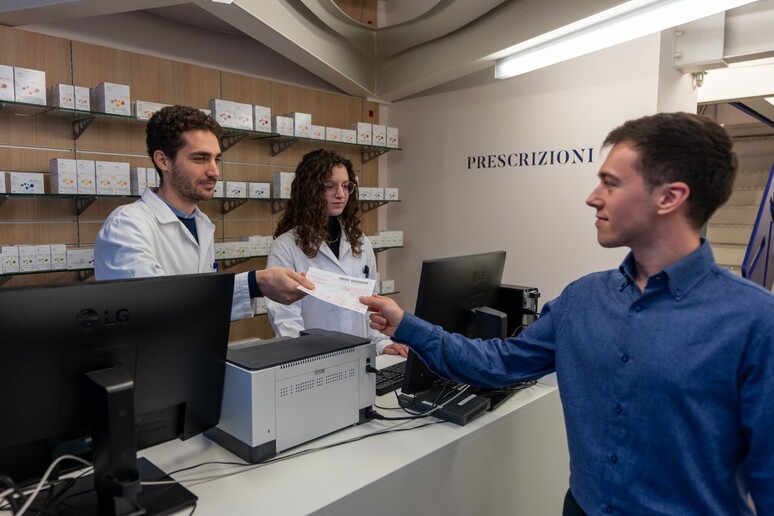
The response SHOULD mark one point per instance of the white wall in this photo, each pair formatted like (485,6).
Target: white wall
(537,214)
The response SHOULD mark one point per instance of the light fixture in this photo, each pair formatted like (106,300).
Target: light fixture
(624,22)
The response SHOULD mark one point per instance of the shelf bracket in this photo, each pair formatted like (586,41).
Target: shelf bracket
(281,145)
(231,262)
(228,140)
(85,274)
(80,125)
(369,154)
(81,203)
(372,205)
(4,280)
(277,205)
(228,205)
(3,199)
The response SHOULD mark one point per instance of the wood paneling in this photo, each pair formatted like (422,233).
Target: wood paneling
(27,143)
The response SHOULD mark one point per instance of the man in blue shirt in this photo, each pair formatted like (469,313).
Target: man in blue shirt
(665,365)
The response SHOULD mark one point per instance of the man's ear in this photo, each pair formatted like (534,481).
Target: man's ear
(162,160)
(672,196)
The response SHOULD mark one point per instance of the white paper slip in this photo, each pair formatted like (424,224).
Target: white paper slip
(343,291)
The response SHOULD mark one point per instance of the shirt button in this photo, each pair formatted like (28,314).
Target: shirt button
(625,358)
(614,458)
(618,409)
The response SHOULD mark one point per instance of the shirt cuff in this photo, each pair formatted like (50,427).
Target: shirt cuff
(252,284)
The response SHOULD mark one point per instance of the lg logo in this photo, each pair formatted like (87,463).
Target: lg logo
(479,275)
(89,319)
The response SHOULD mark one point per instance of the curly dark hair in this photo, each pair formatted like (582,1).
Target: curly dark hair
(307,209)
(165,129)
(683,147)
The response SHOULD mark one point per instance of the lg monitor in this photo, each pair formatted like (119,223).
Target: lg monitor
(758,263)
(102,369)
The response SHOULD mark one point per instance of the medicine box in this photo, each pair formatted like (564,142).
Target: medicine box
(392,137)
(377,194)
(224,112)
(244,116)
(27,258)
(391,194)
(58,257)
(3,188)
(379,135)
(82,98)
(6,83)
(317,132)
(363,131)
(10,255)
(262,119)
(112,178)
(64,176)
(152,178)
(259,305)
(348,136)
(138,177)
(43,257)
(333,134)
(281,184)
(87,176)
(387,286)
(143,109)
(364,193)
(81,258)
(217,193)
(282,125)
(29,85)
(27,183)
(259,190)
(108,97)
(236,189)
(302,124)
(61,95)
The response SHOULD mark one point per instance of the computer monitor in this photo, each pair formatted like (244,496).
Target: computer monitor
(460,294)
(101,369)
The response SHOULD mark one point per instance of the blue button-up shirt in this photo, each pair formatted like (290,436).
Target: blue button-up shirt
(668,393)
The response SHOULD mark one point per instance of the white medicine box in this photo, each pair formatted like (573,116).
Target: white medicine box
(224,112)
(262,119)
(82,98)
(379,135)
(27,183)
(282,125)
(363,131)
(27,261)
(236,189)
(259,190)
(113,178)
(302,124)
(281,184)
(7,91)
(61,95)
(29,85)
(64,176)
(3,188)
(391,194)
(333,134)
(317,132)
(43,257)
(143,109)
(138,180)
(10,256)
(392,137)
(112,98)
(81,258)
(348,136)
(58,257)
(244,116)
(87,176)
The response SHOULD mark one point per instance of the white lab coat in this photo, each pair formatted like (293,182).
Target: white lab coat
(310,312)
(146,238)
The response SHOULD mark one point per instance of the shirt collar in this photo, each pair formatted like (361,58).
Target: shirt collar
(680,277)
(179,213)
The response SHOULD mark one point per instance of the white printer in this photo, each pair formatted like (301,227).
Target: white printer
(284,392)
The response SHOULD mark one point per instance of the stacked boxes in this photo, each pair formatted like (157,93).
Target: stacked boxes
(64,176)
(281,182)
(262,119)
(113,178)
(61,95)
(87,176)
(29,86)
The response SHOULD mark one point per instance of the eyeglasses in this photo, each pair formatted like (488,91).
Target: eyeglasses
(332,188)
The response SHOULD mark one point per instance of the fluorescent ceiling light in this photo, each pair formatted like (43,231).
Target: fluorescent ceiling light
(624,22)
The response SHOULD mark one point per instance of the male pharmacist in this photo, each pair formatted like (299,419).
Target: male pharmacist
(666,364)
(164,232)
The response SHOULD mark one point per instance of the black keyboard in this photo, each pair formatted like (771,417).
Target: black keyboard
(390,378)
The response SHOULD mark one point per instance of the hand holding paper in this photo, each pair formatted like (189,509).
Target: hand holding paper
(340,290)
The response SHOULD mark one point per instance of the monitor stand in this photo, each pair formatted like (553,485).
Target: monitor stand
(81,498)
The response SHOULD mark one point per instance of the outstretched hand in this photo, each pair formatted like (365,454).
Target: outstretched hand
(281,285)
(386,314)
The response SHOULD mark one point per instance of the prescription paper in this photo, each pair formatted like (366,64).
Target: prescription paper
(339,290)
